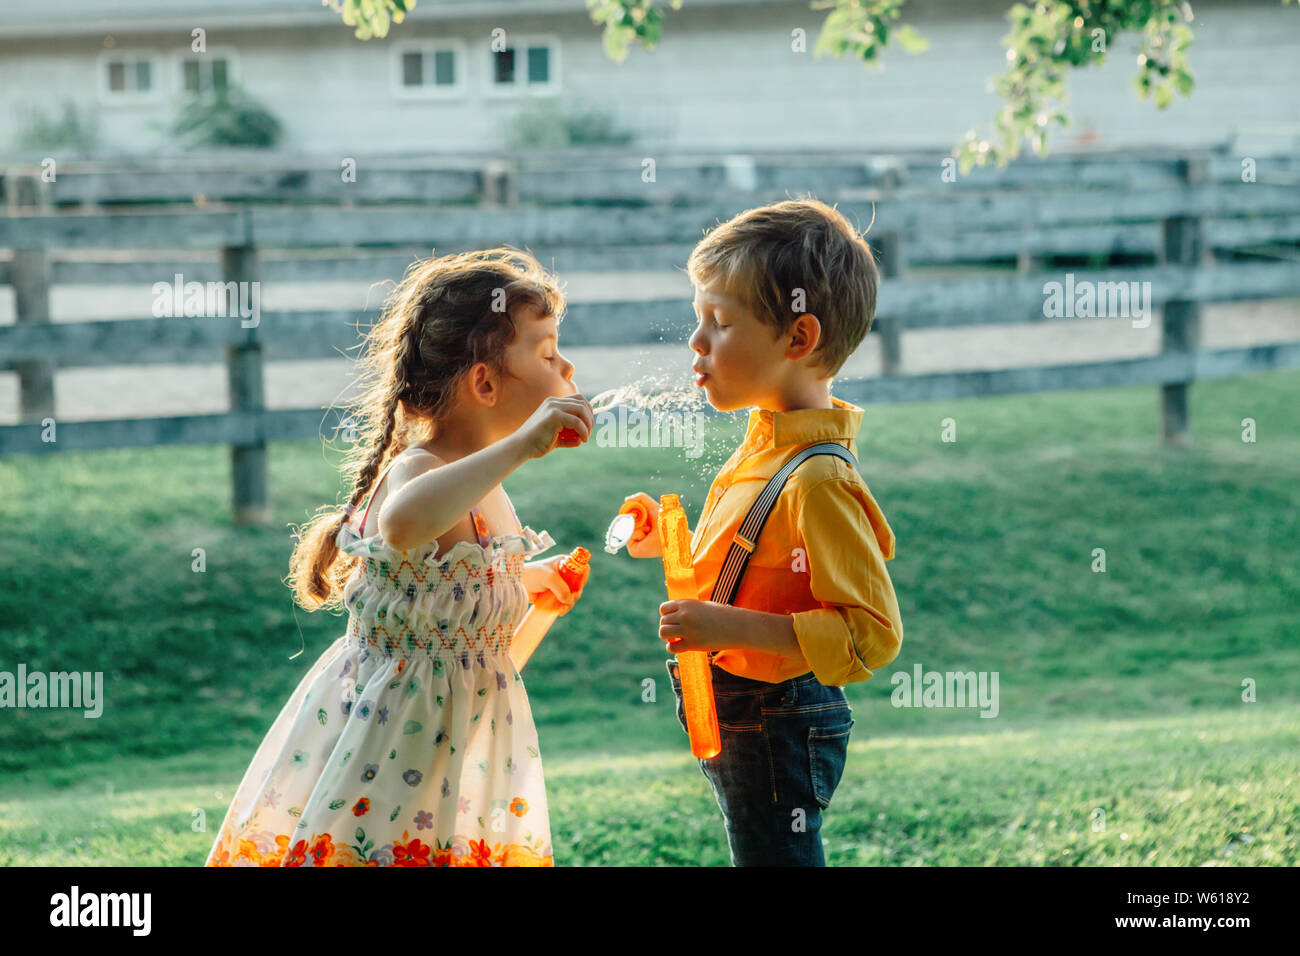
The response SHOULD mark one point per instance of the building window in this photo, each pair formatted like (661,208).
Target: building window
(430,70)
(206,73)
(539,64)
(128,77)
(527,65)
(503,67)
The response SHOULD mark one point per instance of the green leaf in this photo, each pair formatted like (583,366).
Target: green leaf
(911,41)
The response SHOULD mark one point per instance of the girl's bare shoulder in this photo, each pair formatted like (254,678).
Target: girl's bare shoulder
(411,463)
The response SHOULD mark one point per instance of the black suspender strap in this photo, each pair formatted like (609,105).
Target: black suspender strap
(746,539)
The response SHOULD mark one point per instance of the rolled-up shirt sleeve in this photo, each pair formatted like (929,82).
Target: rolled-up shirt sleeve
(857,628)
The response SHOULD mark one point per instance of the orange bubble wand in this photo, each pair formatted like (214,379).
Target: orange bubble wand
(693,666)
(569,437)
(574,570)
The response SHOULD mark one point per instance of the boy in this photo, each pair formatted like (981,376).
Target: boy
(783,294)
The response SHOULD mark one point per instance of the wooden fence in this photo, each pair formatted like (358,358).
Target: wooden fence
(1166,213)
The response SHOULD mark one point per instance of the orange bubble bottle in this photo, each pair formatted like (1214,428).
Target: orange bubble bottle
(574,570)
(693,666)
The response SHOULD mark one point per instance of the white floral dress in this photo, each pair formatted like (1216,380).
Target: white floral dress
(410,742)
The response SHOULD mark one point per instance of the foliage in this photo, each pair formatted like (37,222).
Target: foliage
(1055,35)
(628,20)
(1046,40)
(543,124)
(371,17)
(68,131)
(226,116)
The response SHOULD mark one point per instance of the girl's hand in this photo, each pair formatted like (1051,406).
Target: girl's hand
(539,434)
(546,588)
(646,544)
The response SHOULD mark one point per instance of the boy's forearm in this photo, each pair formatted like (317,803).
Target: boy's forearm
(430,504)
(767,632)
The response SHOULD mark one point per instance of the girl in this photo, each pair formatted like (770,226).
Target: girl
(410,742)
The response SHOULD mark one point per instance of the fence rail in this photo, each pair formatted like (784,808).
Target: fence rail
(1175,211)
(926,304)
(594,176)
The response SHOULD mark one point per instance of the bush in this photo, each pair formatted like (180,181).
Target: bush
(548,125)
(226,116)
(68,131)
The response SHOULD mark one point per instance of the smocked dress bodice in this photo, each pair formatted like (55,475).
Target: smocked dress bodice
(458,608)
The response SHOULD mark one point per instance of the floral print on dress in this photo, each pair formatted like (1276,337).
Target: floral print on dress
(410,741)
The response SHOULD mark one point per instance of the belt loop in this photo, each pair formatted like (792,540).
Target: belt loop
(791,696)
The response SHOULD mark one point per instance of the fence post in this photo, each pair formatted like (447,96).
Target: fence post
(1182,242)
(500,186)
(893,265)
(31,279)
(1026,261)
(248,462)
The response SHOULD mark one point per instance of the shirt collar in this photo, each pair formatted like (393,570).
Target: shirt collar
(804,426)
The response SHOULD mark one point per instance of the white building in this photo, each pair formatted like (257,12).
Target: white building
(724,77)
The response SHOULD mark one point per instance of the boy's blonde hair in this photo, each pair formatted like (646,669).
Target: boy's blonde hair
(766,255)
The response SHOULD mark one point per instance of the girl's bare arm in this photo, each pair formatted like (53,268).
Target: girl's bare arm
(431,503)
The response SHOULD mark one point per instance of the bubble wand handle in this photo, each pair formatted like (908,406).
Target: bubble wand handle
(693,666)
(574,570)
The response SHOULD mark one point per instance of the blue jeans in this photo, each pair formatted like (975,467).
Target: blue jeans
(783,752)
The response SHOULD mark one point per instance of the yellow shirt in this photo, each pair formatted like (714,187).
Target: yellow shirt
(820,557)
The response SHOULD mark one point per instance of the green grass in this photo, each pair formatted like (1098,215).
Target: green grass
(1120,690)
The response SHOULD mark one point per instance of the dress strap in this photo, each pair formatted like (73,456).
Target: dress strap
(475,514)
(518,524)
(361,529)
(480,525)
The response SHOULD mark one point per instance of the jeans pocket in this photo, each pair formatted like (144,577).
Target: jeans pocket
(827,753)
(677,695)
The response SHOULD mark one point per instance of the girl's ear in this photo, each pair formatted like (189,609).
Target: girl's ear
(483,384)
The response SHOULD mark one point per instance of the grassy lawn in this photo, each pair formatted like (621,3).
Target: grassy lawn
(1118,691)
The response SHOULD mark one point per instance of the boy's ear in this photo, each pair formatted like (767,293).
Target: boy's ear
(803,336)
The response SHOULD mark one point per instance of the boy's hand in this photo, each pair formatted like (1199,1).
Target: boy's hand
(691,625)
(646,545)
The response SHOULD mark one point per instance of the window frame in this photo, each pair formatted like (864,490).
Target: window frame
(131,97)
(520,86)
(228,53)
(430,91)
